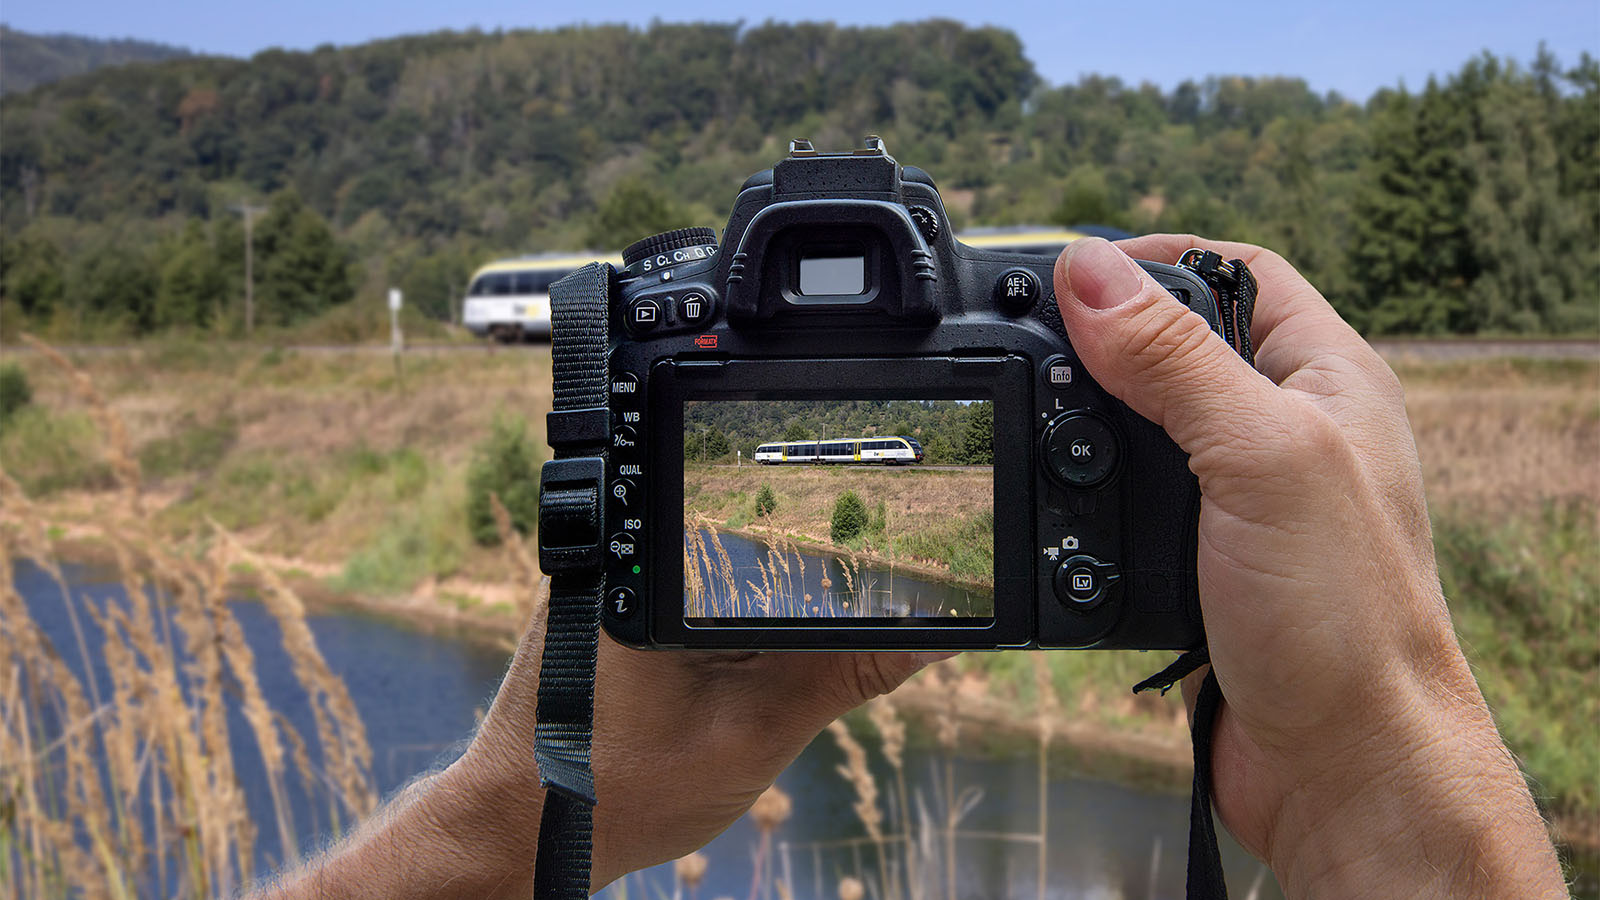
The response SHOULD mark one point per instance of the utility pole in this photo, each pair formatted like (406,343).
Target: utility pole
(249,213)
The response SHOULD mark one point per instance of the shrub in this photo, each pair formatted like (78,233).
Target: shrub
(766,501)
(15,393)
(849,517)
(505,464)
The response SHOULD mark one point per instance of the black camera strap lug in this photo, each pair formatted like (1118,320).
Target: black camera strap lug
(571,530)
(1235,289)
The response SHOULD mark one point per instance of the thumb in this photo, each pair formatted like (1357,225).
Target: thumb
(1152,352)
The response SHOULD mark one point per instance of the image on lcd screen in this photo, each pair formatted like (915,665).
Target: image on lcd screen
(797,510)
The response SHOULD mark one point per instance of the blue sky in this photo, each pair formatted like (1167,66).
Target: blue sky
(1352,47)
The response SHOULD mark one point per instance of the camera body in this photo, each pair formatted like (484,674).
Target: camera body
(837,311)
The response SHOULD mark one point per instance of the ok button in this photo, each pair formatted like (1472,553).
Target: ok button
(1080,450)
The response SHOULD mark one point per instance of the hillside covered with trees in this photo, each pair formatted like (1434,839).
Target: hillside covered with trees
(29,60)
(1472,205)
(949,432)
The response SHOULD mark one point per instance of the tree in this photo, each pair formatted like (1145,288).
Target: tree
(117,283)
(191,289)
(505,464)
(849,518)
(635,208)
(31,275)
(716,445)
(797,432)
(766,501)
(977,441)
(302,269)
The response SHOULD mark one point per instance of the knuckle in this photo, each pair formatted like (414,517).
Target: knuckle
(1163,339)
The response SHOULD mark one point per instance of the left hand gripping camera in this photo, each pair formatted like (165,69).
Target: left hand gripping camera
(839,338)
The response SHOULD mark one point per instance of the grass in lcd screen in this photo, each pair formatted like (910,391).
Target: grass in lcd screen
(833,509)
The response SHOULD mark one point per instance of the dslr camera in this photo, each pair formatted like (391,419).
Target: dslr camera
(841,428)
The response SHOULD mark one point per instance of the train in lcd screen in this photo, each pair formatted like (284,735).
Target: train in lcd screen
(889,450)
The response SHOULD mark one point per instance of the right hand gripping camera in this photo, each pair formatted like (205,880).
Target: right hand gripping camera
(840,341)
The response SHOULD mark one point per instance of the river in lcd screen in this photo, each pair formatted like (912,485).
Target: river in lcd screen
(418,694)
(825,586)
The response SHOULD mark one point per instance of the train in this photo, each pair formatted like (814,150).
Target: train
(889,450)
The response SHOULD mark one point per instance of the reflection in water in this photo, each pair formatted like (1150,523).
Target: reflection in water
(730,575)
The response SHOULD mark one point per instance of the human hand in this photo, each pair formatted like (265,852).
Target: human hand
(684,743)
(1354,751)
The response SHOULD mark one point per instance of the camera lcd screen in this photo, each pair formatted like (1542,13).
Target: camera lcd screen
(873,510)
(833,275)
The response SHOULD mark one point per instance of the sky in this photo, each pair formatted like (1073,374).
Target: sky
(1351,47)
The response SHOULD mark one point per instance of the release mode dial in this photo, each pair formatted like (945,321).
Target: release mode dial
(670,248)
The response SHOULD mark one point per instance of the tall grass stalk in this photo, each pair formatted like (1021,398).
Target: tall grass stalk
(130,789)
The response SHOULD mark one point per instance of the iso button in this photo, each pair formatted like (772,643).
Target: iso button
(622,547)
(1080,450)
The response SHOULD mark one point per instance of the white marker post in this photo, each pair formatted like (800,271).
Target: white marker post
(396,340)
(738,458)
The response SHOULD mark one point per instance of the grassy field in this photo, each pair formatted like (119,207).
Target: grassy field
(332,468)
(327,461)
(941,521)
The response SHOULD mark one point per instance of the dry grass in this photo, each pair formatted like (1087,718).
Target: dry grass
(806,494)
(129,788)
(1505,437)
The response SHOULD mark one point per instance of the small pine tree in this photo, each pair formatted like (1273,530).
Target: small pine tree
(766,501)
(849,517)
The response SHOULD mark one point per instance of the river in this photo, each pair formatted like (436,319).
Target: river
(418,692)
(814,583)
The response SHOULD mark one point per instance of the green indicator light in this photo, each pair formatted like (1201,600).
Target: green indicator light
(635,570)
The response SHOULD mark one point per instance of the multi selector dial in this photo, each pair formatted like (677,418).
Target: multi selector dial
(1080,450)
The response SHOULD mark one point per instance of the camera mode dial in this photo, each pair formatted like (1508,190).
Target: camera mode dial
(669,248)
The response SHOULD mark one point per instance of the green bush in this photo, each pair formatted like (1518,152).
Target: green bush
(48,453)
(766,501)
(849,517)
(505,464)
(15,393)
(192,448)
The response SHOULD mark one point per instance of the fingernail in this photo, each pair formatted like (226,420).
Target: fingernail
(1100,275)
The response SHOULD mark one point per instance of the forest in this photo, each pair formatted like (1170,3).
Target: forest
(1469,205)
(950,432)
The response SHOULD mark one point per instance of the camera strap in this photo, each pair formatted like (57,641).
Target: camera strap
(571,533)
(1235,289)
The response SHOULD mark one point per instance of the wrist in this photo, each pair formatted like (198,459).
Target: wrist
(486,810)
(1427,803)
